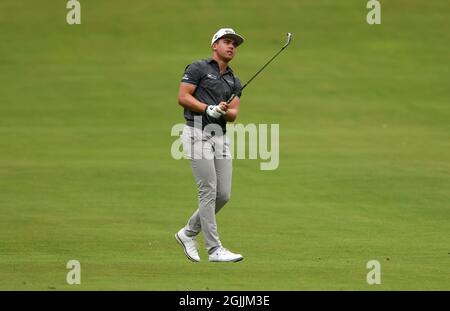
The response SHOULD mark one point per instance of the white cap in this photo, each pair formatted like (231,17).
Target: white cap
(227,32)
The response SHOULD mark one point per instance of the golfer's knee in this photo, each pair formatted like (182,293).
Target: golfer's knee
(223,197)
(207,190)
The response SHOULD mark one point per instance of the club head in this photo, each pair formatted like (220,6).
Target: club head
(288,39)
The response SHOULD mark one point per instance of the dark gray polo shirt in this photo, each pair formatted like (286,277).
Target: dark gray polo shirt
(212,88)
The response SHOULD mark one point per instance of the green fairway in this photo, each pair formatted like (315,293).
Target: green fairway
(86,171)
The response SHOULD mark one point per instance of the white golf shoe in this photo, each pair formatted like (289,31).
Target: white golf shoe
(223,255)
(189,245)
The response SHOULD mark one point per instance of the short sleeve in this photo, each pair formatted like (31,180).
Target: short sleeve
(192,74)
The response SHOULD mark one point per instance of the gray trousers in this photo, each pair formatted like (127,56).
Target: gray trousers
(211,164)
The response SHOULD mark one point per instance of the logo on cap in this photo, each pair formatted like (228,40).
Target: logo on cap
(227,31)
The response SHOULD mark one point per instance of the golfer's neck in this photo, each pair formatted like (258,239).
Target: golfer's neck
(222,63)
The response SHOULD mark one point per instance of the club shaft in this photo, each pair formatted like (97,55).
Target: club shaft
(262,68)
(257,73)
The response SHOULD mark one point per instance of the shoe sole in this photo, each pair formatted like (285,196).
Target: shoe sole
(234,260)
(184,248)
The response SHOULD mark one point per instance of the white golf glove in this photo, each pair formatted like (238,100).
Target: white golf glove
(214,111)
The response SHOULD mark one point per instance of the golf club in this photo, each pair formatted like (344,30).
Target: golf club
(288,41)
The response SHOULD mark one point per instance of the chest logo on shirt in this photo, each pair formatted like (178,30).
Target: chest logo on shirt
(211,76)
(229,81)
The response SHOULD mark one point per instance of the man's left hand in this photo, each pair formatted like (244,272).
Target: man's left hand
(223,107)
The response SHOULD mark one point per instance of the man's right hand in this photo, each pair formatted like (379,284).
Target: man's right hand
(214,111)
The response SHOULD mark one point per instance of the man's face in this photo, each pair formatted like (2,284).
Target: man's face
(225,48)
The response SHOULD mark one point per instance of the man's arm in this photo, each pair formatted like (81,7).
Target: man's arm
(232,109)
(187,100)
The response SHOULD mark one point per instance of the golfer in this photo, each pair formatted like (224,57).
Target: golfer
(205,87)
